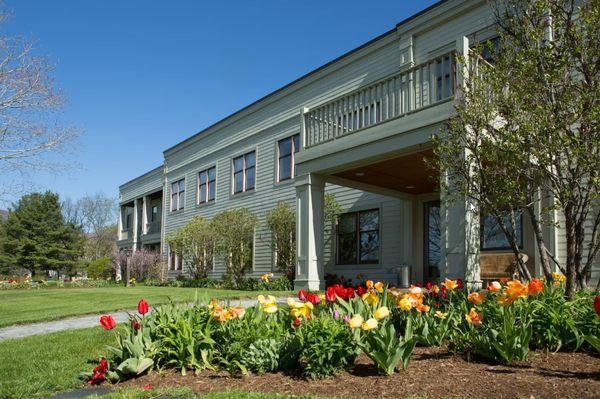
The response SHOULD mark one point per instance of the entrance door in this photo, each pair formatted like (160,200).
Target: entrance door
(432,254)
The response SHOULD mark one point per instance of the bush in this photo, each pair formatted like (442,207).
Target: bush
(100,268)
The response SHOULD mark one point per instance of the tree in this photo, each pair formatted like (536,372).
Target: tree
(234,232)
(37,238)
(282,223)
(195,243)
(525,136)
(28,104)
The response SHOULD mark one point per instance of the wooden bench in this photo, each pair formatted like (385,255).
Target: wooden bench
(496,265)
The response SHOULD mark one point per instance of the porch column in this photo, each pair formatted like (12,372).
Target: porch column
(310,193)
(135,227)
(460,221)
(145,218)
(120,224)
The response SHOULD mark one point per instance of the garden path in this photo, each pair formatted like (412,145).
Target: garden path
(73,323)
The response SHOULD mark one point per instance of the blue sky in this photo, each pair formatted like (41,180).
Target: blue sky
(140,76)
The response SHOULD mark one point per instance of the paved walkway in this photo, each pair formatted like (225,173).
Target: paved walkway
(74,323)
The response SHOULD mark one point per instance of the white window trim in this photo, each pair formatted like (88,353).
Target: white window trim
(179,207)
(293,155)
(243,156)
(205,170)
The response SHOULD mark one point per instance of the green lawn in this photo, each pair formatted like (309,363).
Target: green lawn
(27,306)
(40,365)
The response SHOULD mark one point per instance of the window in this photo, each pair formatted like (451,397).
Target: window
(358,238)
(178,195)
(492,236)
(490,47)
(175,261)
(206,185)
(287,148)
(154,215)
(128,218)
(244,172)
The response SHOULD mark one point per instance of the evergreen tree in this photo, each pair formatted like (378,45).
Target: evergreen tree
(37,238)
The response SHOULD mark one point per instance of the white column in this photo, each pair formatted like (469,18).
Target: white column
(310,193)
(136,221)
(145,218)
(460,217)
(120,224)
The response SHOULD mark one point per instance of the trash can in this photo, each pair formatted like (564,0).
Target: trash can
(404,276)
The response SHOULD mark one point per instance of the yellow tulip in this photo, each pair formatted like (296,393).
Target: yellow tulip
(355,321)
(369,324)
(450,285)
(440,315)
(382,313)
(369,284)
(405,303)
(474,318)
(269,308)
(379,286)
(371,298)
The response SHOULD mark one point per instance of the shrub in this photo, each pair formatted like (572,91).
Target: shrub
(100,268)
(195,242)
(325,347)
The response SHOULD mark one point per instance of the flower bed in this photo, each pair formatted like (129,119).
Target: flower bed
(321,335)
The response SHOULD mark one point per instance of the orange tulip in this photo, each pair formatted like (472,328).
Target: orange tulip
(450,285)
(476,298)
(535,286)
(516,289)
(369,284)
(494,286)
(474,318)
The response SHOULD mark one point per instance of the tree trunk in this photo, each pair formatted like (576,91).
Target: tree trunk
(127,271)
(541,244)
(571,270)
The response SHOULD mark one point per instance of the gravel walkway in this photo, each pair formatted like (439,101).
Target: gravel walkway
(73,323)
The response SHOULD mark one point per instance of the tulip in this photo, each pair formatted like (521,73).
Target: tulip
(360,290)
(135,325)
(494,286)
(143,307)
(330,294)
(440,315)
(428,285)
(302,295)
(535,286)
(268,304)
(450,285)
(422,308)
(474,318)
(369,324)
(405,304)
(379,286)
(297,323)
(476,298)
(382,313)
(107,322)
(597,304)
(371,298)
(356,321)
(516,289)
(346,319)
(369,284)
(415,290)
(314,299)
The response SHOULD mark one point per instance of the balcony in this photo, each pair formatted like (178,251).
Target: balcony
(393,97)
(153,227)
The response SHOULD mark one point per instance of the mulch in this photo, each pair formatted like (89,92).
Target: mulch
(432,372)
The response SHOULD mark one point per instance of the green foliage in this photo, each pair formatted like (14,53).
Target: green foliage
(325,347)
(195,242)
(386,348)
(37,237)
(100,269)
(432,330)
(234,232)
(184,336)
(282,222)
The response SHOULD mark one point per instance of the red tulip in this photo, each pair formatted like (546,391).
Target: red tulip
(99,373)
(314,299)
(107,322)
(330,294)
(302,295)
(143,307)
(360,290)
(428,286)
(597,304)
(459,284)
(296,323)
(349,293)
(135,325)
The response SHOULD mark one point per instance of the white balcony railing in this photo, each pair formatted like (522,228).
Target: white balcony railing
(397,95)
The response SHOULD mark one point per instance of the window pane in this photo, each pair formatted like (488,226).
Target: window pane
(181,185)
(238,164)
(369,247)
(250,159)
(296,139)
(174,187)
(211,191)
(250,178)
(174,201)
(181,200)
(238,182)
(347,223)
(492,235)
(347,249)
(211,174)
(203,177)
(285,167)
(203,193)
(369,220)
(285,147)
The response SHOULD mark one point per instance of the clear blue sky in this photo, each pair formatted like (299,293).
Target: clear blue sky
(140,76)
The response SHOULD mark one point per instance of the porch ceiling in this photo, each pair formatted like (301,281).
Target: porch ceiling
(407,174)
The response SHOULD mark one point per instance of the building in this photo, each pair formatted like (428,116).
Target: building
(358,127)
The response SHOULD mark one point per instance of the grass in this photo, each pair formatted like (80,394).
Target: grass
(40,365)
(28,306)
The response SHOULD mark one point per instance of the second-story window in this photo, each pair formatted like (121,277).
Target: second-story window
(128,218)
(287,148)
(244,172)
(177,195)
(207,185)
(154,216)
